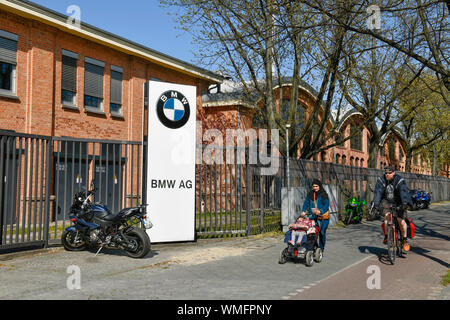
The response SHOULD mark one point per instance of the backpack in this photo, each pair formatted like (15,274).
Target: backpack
(411,228)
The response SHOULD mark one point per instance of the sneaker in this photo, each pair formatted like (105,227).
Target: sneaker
(406,245)
(385,239)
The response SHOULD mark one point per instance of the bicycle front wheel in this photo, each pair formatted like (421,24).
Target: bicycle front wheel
(391,244)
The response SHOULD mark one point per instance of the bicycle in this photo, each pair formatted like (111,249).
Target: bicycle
(394,237)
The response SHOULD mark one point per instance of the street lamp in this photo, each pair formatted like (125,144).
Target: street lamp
(287,169)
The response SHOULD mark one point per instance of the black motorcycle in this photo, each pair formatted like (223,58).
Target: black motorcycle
(420,199)
(95,226)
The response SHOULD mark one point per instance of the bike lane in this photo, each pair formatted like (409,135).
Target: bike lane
(416,276)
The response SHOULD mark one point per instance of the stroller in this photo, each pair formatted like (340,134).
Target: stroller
(307,249)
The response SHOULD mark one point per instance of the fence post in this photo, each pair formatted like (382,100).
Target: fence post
(261,200)
(2,157)
(48,165)
(247,196)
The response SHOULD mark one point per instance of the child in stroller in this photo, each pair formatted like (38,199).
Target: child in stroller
(302,242)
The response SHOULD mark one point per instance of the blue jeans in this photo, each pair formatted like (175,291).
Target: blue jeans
(323,225)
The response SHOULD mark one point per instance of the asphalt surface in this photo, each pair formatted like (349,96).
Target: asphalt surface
(242,268)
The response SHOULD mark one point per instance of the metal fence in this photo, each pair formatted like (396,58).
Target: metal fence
(235,198)
(40,175)
(358,181)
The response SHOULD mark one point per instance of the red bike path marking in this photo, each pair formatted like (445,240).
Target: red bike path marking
(416,276)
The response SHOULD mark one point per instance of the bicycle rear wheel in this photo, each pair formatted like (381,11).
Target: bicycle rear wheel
(391,245)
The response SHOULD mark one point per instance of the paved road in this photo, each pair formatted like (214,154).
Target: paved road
(241,268)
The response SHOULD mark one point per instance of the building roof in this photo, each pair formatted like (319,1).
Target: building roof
(35,11)
(350,112)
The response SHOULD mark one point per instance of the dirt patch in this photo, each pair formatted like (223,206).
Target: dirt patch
(207,255)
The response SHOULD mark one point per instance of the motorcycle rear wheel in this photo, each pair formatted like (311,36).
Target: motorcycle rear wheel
(141,243)
(73,241)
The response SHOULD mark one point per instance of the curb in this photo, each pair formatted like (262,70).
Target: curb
(29,253)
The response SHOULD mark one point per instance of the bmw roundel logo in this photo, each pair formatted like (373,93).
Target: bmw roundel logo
(173,109)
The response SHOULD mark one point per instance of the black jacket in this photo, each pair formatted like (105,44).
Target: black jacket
(400,194)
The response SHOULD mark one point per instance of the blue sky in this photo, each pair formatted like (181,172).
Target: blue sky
(141,21)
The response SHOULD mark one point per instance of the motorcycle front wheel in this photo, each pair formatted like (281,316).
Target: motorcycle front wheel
(140,243)
(73,241)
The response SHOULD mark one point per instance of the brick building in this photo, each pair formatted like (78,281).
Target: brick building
(61,80)
(227,107)
(84,87)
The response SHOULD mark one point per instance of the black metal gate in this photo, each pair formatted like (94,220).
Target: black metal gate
(234,198)
(40,174)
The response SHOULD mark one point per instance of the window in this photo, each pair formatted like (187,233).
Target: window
(356,141)
(69,78)
(6,76)
(391,149)
(340,136)
(93,102)
(115,105)
(93,84)
(8,62)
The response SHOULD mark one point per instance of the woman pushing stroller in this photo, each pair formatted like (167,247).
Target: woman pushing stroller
(306,237)
(316,206)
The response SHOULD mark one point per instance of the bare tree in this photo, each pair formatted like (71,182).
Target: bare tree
(426,24)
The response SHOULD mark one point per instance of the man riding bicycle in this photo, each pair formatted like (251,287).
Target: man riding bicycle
(391,188)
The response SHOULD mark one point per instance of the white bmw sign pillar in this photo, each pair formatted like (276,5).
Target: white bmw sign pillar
(171,161)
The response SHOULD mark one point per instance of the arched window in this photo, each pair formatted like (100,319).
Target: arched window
(338,158)
(356,141)
(344,159)
(299,116)
(391,149)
